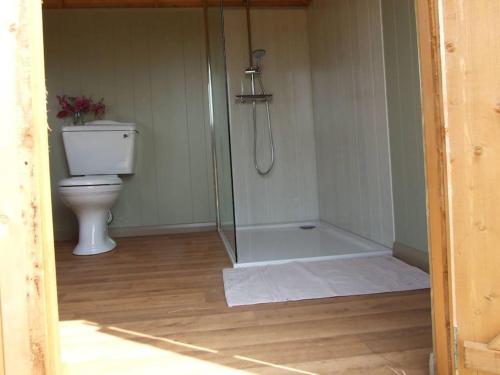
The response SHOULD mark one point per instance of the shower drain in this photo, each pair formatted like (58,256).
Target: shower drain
(307,227)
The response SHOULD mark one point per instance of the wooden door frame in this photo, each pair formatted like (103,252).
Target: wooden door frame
(429,43)
(28,285)
(29,312)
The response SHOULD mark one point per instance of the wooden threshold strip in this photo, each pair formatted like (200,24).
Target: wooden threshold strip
(75,4)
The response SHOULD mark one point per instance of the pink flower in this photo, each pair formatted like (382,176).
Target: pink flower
(63,114)
(64,102)
(68,108)
(82,104)
(98,108)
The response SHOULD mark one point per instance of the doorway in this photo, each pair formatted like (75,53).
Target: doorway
(39,190)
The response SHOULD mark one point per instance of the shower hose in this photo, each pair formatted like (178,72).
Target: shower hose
(262,172)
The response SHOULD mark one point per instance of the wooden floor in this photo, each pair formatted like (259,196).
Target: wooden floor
(156,306)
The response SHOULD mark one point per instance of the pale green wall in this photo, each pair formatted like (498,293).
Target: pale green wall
(149,65)
(405,122)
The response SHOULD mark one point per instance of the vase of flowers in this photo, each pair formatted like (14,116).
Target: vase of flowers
(77,107)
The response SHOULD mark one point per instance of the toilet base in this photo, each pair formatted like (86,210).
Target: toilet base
(93,232)
(83,249)
(91,205)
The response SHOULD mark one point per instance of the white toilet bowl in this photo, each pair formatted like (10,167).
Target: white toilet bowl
(91,198)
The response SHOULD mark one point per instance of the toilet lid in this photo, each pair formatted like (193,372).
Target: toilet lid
(91,181)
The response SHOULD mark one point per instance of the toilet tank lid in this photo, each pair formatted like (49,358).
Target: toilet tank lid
(101,125)
(96,180)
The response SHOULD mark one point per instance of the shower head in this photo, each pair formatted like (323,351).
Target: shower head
(258,54)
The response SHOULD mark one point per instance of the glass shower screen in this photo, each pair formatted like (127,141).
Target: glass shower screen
(219,120)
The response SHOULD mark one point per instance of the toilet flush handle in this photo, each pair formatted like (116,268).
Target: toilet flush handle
(126,135)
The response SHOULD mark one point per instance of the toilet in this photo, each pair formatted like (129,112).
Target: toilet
(96,153)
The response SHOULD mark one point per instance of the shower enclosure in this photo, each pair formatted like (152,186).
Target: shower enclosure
(300,132)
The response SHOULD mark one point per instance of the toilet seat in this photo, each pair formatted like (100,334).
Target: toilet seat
(97,180)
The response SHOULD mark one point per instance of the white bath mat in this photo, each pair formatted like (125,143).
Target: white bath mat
(307,280)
